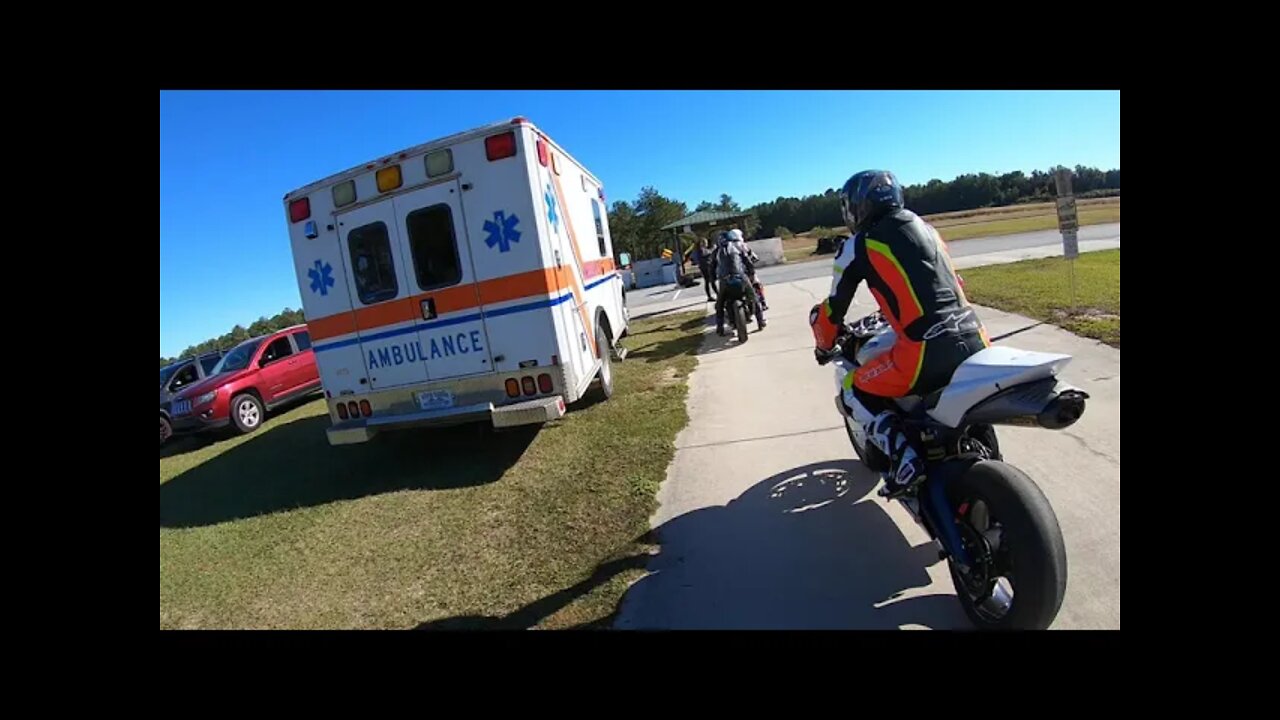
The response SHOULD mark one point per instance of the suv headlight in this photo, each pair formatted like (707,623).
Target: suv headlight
(207,397)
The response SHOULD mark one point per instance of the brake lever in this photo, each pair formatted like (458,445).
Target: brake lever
(825,357)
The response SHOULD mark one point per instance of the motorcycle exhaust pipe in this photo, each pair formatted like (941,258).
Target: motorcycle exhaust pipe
(1042,403)
(1063,410)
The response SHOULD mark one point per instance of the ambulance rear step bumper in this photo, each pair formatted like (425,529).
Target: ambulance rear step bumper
(529,412)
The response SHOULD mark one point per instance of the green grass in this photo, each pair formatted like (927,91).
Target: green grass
(983,222)
(1009,211)
(1108,213)
(801,249)
(444,528)
(1042,289)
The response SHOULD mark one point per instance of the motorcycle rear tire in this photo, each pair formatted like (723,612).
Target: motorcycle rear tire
(740,320)
(1031,538)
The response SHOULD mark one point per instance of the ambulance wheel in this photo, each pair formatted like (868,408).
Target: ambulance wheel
(246,413)
(603,389)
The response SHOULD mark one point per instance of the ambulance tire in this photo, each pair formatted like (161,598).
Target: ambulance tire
(603,390)
(247,413)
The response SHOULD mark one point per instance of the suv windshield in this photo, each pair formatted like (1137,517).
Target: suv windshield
(166,372)
(209,362)
(238,358)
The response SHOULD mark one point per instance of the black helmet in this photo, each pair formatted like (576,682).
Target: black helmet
(868,196)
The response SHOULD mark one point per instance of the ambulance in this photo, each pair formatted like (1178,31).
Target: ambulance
(468,279)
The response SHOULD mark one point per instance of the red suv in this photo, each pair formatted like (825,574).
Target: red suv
(255,376)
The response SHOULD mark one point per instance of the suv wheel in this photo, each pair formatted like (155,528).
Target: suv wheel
(246,413)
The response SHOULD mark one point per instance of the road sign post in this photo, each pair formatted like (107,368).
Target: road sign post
(1068,225)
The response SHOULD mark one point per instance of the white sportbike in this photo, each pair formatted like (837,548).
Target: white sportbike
(992,524)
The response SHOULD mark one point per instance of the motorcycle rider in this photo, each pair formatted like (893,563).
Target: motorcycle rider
(735,273)
(750,269)
(906,266)
(736,235)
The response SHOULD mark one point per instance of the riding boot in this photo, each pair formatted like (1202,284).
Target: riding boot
(908,468)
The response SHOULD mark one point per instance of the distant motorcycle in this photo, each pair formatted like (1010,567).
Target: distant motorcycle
(742,305)
(992,524)
(746,296)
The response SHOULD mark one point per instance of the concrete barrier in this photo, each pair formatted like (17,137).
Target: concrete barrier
(648,273)
(769,250)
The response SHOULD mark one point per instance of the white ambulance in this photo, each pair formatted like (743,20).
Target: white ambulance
(466,279)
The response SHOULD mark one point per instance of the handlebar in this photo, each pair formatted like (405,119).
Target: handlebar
(864,327)
(868,323)
(825,356)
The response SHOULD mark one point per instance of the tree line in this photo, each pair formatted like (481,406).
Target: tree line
(636,226)
(239,333)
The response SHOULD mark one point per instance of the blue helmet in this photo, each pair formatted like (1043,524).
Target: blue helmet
(869,196)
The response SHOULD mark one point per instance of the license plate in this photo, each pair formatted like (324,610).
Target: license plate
(435,399)
(182,407)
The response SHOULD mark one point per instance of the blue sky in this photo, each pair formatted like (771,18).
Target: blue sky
(227,159)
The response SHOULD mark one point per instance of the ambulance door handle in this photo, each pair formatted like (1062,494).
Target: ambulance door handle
(557,258)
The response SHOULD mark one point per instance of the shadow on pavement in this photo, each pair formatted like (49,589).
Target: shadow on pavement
(802,549)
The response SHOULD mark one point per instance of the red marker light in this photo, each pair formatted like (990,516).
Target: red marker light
(501,146)
(299,209)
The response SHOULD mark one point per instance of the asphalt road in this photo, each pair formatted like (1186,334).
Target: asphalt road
(767,519)
(966,253)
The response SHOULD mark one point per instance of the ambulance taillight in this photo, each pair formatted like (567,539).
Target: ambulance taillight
(497,147)
(299,209)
